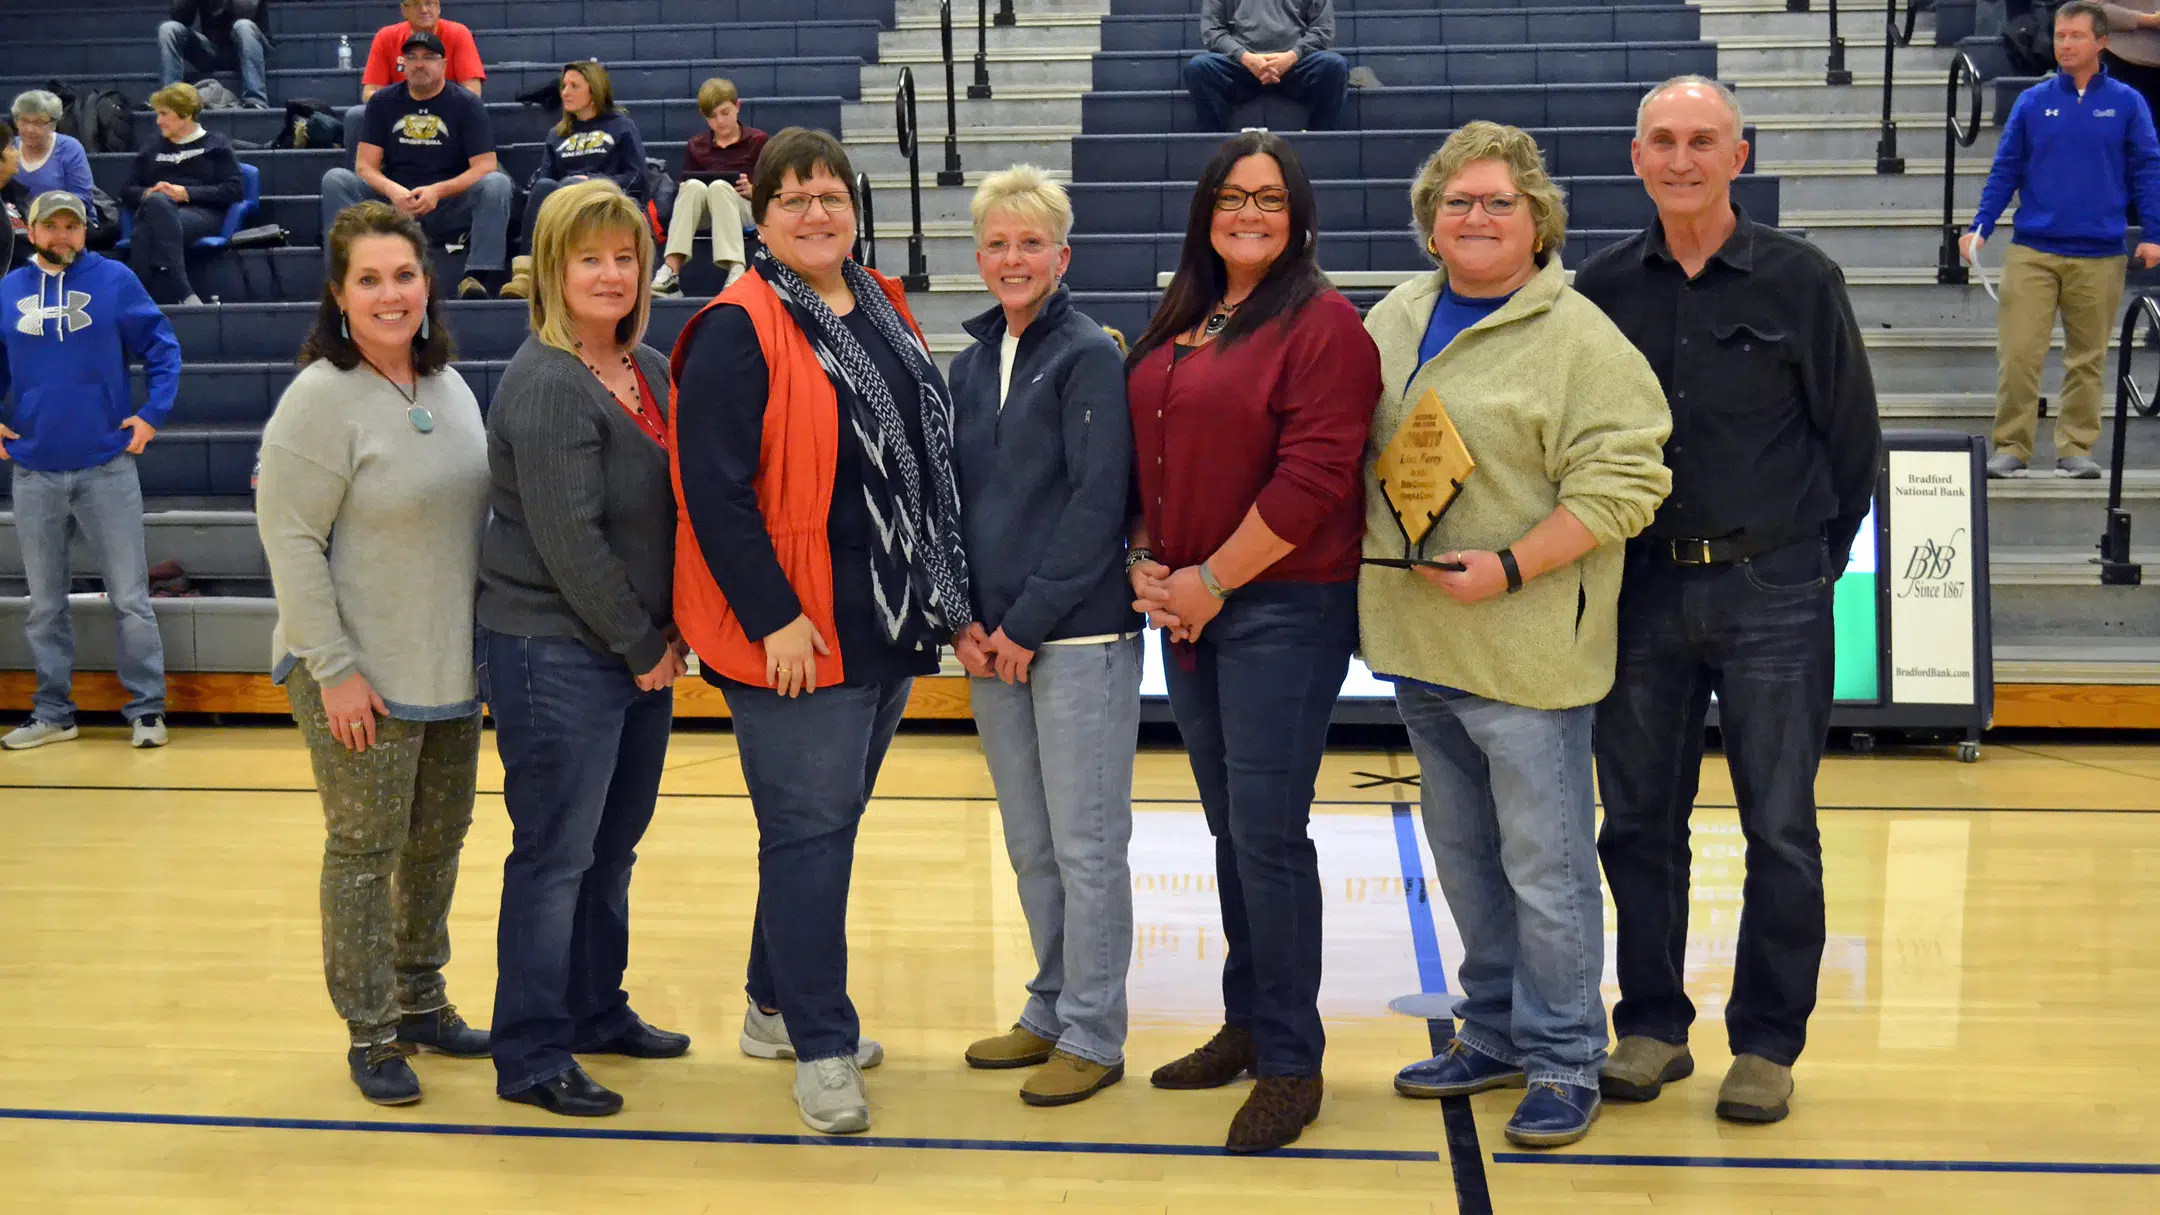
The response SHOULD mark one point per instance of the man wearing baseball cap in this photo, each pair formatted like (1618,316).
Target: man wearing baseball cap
(69,430)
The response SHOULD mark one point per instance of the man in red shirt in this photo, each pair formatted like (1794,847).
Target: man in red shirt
(384,67)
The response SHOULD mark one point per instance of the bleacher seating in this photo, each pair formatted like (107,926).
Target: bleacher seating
(1436,27)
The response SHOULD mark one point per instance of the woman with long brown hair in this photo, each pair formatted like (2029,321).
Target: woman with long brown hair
(596,139)
(1251,394)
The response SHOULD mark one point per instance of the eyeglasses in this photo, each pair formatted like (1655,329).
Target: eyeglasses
(799,204)
(34,120)
(1030,247)
(1499,206)
(1267,198)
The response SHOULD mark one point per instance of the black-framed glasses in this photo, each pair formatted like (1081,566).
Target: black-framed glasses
(1498,205)
(1267,198)
(799,204)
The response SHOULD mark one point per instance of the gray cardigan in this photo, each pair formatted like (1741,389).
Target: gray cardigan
(581,542)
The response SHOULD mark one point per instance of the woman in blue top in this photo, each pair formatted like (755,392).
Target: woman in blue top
(49,161)
(594,139)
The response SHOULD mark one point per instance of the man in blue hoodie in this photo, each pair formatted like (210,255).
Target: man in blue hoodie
(68,323)
(2076,148)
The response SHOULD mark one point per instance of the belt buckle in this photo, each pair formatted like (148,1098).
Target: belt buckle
(1691,552)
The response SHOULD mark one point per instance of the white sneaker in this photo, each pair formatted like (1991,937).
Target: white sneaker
(765,1036)
(665,281)
(149,732)
(35,733)
(830,1095)
(729,272)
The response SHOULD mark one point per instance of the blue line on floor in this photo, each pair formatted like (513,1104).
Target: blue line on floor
(1473,1195)
(1869,1166)
(735,1139)
(1432,972)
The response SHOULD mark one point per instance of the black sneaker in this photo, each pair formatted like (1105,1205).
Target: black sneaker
(382,1074)
(444,1032)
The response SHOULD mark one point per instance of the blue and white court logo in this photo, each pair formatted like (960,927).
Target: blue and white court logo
(36,313)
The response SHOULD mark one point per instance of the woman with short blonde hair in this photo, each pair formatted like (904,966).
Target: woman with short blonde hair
(578,649)
(184,181)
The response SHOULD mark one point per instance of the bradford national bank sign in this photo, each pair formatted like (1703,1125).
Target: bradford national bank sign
(1932,571)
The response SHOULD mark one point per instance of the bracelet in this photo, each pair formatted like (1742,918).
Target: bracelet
(1135,556)
(1512,570)
(1207,579)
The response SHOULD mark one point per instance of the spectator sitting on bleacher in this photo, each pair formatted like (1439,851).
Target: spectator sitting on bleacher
(427,149)
(14,203)
(50,161)
(385,63)
(594,139)
(1257,45)
(717,170)
(182,186)
(217,35)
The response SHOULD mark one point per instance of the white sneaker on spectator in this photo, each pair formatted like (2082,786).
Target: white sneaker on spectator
(149,732)
(2003,464)
(830,1095)
(729,272)
(35,733)
(665,281)
(2080,468)
(765,1036)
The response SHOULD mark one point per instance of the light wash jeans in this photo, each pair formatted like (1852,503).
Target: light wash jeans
(483,212)
(1512,819)
(1061,756)
(105,503)
(181,47)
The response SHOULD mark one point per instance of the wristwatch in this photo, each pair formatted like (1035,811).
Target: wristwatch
(1134,556)
(1207,579)
(1512,570)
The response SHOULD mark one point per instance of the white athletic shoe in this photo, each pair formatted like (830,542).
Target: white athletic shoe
(665,281)
(35,733)
(149,732)
(765,1036)
(830,1095)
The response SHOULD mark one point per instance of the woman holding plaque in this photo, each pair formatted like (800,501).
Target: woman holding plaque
(1251,392)
(1503,641)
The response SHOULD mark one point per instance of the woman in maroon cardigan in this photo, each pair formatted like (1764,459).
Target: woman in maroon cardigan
(1251,392)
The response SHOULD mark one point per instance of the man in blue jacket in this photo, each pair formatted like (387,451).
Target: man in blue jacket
(68,323)
(2076,148)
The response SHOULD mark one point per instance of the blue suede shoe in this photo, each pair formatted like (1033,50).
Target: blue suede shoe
(1553,1115)
(1457,1071)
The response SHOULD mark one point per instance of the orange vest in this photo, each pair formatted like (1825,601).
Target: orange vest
(798,454)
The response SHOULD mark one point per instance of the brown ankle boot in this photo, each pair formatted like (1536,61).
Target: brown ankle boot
(1277,1112)
(1227,1055)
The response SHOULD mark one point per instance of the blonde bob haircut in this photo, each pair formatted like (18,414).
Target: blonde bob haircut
(1511,146)
(570,217)
(1027,194)
(180,100)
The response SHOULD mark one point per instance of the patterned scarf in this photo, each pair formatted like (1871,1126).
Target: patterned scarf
(918,567)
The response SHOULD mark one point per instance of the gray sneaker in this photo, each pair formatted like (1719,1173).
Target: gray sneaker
(830,1095)
(2078,468)
(35,733)
(149,732)
(765,1036)
(2003,464)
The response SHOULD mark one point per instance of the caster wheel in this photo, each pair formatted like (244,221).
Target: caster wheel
(1968,753)
(1863,743)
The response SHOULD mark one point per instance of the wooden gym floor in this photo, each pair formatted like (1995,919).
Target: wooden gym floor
(1983,1042)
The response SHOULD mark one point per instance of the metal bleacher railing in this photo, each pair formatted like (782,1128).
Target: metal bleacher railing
(917,277)
(2116,567)
(1949,265)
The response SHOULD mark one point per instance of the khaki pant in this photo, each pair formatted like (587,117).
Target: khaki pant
(730,214)
(2087,291)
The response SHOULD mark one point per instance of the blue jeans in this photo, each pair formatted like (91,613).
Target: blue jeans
(1061,750)
(1512,819)
(1220,84)
(1253,709)
(183,46)
(582,750)
(484,211)
(810,763)
(105,505)
(1758,633)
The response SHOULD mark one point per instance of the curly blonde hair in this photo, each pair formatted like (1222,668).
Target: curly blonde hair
(1511,146)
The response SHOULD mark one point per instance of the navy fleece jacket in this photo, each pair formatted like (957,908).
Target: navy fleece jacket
(606,145)
(65,340)
(2075,163)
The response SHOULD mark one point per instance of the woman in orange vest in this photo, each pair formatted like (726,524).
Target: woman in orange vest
(818,570)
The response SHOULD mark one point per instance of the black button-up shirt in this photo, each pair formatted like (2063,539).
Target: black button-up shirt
(1775,434)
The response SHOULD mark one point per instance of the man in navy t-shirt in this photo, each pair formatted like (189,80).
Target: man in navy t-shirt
(426,149)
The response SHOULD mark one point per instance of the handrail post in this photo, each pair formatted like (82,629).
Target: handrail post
(1834,71)
(1005,15)
(980,89)
(950,175)
(1887,159)
(917,277)
(2116,567)
(866,231)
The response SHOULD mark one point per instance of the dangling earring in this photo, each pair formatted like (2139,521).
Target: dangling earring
(423,326)
(344,325)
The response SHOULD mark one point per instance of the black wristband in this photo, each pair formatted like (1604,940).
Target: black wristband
(1513,571)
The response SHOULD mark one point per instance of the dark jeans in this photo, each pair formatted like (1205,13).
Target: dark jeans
(1254,712)
(158,249)
(1758,633)
(183,47)
(810,763)
(1220,84)
(582,749)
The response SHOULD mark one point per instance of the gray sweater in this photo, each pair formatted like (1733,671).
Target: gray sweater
(372,530)
(582,540)
(1267,27)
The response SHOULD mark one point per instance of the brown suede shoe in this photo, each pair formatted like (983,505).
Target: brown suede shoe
(1227,1055)
(1069,1078)
(1755,1090)
(1277,1112)
(1016,1047)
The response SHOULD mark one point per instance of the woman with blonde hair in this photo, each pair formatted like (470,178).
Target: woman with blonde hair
(1501,648)
(596,140)
(579,650)
(183,183)
(1043,445)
